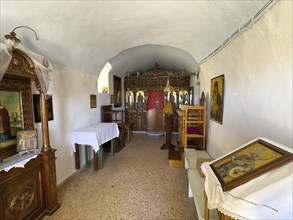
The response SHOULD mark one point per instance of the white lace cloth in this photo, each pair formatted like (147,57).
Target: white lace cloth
(5,57)
(268,196)
(42,66)
(94,135)
(17,161)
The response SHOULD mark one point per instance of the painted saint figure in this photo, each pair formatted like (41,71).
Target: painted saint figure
(140,101)
(216,104)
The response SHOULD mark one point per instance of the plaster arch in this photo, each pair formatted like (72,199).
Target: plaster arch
(143,57)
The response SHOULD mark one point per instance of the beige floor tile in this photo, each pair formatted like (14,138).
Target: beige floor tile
(136,183)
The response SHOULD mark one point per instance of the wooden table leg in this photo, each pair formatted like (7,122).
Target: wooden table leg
(101,157)
(76,155)
(86,156)
(113,146)
(96,160)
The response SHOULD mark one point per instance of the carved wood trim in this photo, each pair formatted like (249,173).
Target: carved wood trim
(24,87)
(20,190)
(22,200)
(21,64)
(157,79)
(49,182)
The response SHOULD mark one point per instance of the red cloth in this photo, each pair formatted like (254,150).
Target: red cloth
(155,99)
(192,130)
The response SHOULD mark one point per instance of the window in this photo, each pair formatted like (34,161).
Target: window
(103,80)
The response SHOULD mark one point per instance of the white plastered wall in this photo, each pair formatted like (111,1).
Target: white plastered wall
(71,92)
(258,83)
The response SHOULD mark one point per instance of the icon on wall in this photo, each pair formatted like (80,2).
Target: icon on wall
(93,101)
(117,91)
(216,104)
(37,108)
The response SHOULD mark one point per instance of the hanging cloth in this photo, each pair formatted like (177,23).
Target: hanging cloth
(5,56)
(42,66)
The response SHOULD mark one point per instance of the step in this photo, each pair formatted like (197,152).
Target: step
(175,159)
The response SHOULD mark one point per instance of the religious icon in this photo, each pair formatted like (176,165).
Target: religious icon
(216,104)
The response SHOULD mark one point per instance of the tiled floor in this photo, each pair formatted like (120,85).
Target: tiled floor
(136,183)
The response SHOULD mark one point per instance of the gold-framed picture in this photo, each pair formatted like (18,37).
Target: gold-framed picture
(249,162)
(27,140)
(117,91)
(93,101)
(37,108)
(216,103)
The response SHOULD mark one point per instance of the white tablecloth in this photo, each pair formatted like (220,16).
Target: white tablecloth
(18,160)
(94,135)
(268,196)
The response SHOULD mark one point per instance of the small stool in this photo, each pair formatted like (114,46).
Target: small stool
(127,128)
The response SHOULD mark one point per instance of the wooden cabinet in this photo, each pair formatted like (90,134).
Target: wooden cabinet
(21,195)
(29,192)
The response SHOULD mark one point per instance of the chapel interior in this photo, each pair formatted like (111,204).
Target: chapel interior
(182,86)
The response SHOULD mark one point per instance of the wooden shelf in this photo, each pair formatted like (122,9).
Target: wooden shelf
(192,118)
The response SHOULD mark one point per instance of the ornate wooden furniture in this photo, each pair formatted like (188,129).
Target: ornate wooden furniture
(192,125)
(137,118)
(29,192)
(138,94)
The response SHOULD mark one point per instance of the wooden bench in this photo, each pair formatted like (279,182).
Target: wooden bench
(193,160)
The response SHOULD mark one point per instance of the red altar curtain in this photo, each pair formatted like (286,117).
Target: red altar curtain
(155,99)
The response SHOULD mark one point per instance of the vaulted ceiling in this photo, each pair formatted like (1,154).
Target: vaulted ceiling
(131,35)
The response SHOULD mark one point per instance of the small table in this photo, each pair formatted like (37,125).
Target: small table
(94,135)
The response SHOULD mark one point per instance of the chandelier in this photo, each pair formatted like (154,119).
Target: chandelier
(168,88)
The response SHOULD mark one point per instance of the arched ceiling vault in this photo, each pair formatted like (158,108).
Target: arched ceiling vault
(132,35)
(146,56)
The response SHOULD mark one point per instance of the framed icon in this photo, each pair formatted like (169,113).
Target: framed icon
(216,103)
(37,108)
(249,162)
(117,91)
(93,101)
